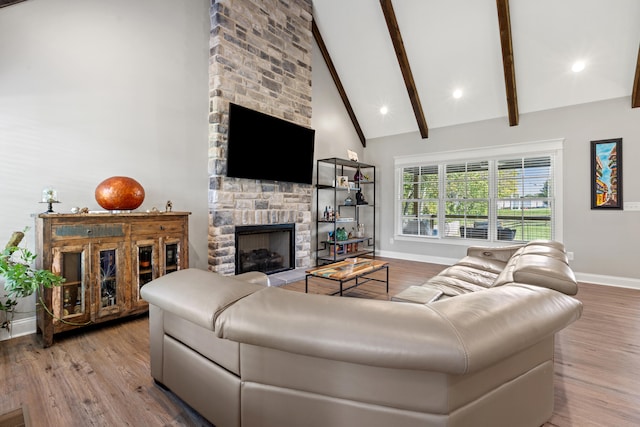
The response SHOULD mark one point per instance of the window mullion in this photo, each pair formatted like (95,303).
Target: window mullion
(493,206)
(442,197)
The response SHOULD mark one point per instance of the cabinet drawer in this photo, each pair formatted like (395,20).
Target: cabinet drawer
(83,231)
(155,228)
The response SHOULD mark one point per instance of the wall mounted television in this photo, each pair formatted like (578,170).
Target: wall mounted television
(264,147)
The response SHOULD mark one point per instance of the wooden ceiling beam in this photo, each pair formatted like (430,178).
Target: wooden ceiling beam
(504,21)
(403,61)
(4,3)
(336,80)
(635,94)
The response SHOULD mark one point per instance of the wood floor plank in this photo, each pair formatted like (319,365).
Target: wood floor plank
(101,376)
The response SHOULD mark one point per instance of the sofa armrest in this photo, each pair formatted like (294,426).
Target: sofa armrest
(196,295)
(456,335)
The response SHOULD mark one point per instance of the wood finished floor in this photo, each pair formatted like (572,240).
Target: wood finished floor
(100,377)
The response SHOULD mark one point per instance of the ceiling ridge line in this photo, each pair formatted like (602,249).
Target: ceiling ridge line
(405,68)
(336,80)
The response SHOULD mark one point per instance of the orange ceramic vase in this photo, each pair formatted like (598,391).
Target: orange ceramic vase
(119,193)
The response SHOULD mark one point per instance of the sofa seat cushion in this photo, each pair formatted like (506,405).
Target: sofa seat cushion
(418,294)
(486,264)
(452,286)
(472,275)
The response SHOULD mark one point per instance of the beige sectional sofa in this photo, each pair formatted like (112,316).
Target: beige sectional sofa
(245,354)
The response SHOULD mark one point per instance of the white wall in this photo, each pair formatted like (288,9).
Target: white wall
(604,242)
(92,88)
(335,133)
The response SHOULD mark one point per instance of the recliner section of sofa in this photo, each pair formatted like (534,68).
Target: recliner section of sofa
(540,262)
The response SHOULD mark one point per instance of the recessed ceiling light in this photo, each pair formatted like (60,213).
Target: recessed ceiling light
(384,110)
(577,66)
(457,93)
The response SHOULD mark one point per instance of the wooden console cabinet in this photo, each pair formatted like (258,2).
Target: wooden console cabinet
(105,260)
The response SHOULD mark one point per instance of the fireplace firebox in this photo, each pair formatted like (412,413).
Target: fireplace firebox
(266,248)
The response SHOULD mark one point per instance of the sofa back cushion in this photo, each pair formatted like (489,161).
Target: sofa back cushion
(545,271)
(548,243)
(540,270)
(549,251)
(455,335)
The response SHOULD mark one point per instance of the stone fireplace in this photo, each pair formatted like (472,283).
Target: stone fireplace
(266,248)
(260,58)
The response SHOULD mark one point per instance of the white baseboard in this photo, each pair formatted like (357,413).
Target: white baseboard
(416,257)
(621,282)
(19,328)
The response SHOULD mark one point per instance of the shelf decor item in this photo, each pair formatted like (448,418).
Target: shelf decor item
(360,200)
(49,196)
(119,193)
(358,175)
(342,181)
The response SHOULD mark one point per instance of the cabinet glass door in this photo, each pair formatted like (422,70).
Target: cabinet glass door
(69,302)
(146,257)
(111,262)
(172,255)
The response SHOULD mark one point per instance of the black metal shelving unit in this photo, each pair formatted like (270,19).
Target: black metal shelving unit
(331,243)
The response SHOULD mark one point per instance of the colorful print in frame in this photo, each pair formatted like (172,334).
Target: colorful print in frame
(606,174)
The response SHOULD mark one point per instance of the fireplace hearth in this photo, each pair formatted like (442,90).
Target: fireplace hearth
(266,248)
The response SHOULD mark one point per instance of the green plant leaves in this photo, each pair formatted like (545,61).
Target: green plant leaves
(21,279)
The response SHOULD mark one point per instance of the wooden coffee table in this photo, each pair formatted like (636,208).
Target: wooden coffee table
(357,269)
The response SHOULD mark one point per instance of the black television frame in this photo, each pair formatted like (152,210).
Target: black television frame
(264,147)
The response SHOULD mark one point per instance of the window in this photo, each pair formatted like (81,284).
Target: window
(467,199)
(509,195)
(524,203)
(420,202)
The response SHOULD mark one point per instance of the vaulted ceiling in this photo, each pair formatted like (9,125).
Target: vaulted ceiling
(507,57)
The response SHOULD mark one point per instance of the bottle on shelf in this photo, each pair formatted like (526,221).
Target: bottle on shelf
(358,176)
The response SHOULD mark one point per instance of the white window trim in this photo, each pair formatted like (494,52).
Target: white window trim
(553,147)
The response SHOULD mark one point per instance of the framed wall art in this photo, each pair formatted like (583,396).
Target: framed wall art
(606,174)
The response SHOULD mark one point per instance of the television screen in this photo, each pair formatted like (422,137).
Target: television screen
(268,148)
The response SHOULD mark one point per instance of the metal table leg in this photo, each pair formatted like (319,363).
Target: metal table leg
(387,268)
